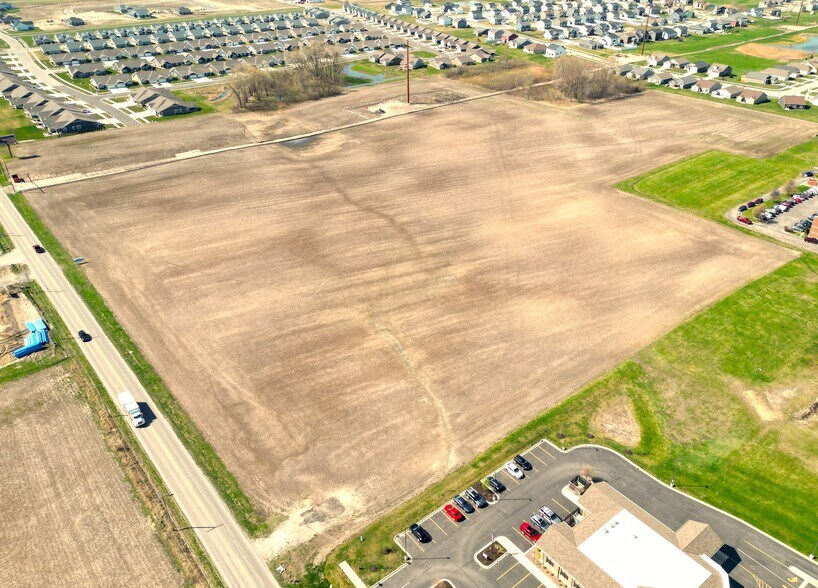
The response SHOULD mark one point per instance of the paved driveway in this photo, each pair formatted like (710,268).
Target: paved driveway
(751,558)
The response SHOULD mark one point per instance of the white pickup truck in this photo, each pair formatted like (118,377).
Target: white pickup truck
(132,408)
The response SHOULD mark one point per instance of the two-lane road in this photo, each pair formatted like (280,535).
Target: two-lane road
(228,547)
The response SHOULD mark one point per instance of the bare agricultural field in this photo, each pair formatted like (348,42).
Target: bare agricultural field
(68,518)
(48,14)
(350,318)
(135,146)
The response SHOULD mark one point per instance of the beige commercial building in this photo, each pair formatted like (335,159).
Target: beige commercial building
(611,542)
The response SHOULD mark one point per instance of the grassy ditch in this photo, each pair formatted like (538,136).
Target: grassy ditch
(713,182)
(157,503)
(248,517)
(701,397)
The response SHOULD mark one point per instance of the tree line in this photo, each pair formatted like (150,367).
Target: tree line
(315,71)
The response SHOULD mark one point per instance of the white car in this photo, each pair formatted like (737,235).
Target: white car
(512,469)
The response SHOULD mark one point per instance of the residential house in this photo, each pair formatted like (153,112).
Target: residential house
(112,81)
(793,102)
(707,86)
(728,92)
(683,83)
(554,50)
(163,103)
(86,70)
(696,67)
(759,77)
(719,70)
(660,78)
(752,97)
(535,48)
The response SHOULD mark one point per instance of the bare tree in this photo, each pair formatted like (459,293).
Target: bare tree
(759,210)
(319,69)
(580,80)
(791,187)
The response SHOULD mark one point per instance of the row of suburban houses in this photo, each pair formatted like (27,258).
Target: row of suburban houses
(52,114)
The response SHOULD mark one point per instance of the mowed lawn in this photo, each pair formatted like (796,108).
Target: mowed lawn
(712,182)
(690,392)
(15,121)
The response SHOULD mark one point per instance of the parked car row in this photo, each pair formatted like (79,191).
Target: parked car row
(471,498)
(787,205)
(540,521)
(805,224)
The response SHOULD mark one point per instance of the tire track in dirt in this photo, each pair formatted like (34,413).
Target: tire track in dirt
(386,332)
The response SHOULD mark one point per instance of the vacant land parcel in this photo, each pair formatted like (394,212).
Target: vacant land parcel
(68,518)
(350,318)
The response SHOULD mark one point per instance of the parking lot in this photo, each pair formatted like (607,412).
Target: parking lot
(751,558)
(454,545)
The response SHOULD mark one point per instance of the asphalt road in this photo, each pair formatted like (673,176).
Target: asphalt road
(752,559)
(21,51)
(228,547)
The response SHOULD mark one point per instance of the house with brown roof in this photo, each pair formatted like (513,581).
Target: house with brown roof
(793,102)
(752,97)
(612,542)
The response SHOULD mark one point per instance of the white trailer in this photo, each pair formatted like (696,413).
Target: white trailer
(132,408)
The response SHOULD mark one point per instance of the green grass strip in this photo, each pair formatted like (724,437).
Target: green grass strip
(205,456)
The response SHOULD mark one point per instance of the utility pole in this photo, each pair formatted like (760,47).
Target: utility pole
(407,72)
(645,32)
(800,10)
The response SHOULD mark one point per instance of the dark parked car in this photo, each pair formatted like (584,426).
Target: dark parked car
(522,462)
(476,498)
(463,504)
(39,248)
(742,208)
(84,337)
(495,484)
(420,533)
(751,204)
(808,174)
(758,200)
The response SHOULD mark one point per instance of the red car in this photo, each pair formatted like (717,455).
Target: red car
(744,219)
(453,513)
(530,532)
(758,200)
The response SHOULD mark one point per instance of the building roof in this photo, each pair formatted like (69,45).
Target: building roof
(618,544)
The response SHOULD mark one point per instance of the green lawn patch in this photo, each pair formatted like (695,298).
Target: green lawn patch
(83,83)
(210,462)
(740,62)
(15,121)
(686,392)
(713,182)
(762,28)
(425,54)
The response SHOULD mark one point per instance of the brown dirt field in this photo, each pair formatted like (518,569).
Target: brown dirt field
(137,145)
(771,51)
(615,420)
(351,319)
(48,14)
(68,518)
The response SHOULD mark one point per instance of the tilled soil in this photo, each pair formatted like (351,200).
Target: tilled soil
(68,518)
(353,318)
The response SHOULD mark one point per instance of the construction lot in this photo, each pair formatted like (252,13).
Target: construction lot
(68,518)
(351,317)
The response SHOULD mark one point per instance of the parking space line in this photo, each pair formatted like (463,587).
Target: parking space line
(415,541)
(561,506)
(452,522)
(537,458)
(520,582)
(546,451)
(439,527)
(510,477)
(761,564)
(516,563)
(767,554)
